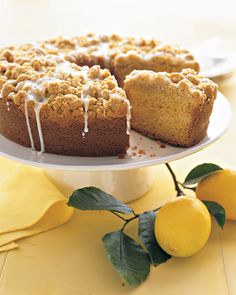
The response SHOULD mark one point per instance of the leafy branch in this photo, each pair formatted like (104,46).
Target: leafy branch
(132,260)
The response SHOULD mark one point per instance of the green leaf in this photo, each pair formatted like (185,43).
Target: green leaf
(92,198)
(200,172)
(217,211)
(147,236)
(128,258)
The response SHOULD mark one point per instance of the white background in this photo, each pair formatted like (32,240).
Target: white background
(185,22)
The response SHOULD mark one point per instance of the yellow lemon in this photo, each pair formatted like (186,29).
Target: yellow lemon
(220,187)
(182,226)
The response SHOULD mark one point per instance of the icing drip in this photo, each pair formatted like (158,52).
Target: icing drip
(128,113)
(85,99)
(128,117)
(28,126)
(37,110)
(35,90)
(8,104)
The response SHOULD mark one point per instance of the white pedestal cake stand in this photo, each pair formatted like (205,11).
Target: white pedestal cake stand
(127,178)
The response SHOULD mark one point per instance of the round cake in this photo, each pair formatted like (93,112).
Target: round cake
(62,96)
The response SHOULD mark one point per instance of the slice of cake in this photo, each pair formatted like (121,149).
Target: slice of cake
(172,107)
(51,105)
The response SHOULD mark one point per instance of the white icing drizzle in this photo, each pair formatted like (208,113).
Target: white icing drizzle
(35,93)
(28,126)
(128,117)
(128,113)
(11,94)
(37,110)
(80,49)
(50,46)
(103,50)
(8,104)
(67,68)
(85,99)
(84,71)
(36,89)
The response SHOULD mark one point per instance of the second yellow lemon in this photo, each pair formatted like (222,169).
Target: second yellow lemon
(182,226)
(220,187)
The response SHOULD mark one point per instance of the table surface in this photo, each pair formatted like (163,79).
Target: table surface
(71,259)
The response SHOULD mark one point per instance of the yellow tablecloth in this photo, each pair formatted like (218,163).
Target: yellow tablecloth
(29,203)
(71,259)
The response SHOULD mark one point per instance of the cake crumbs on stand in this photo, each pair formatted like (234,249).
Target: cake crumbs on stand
(161,144)
(141,152)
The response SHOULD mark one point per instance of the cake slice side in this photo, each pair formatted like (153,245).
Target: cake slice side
(174,108)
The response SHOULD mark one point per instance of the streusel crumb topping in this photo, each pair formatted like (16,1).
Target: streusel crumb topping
(35,75)
(82,48)
(92,49)
(187,81)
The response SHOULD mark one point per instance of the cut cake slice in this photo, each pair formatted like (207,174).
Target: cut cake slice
(172,107)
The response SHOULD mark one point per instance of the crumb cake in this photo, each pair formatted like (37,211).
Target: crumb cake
(52,105)
(59,95)
(172,107)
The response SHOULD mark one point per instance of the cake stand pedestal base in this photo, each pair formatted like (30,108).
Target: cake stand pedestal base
(125,185)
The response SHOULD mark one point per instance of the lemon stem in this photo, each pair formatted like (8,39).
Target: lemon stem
(176,183)
(134,217)
(128,220)
(187,187)
(118,215)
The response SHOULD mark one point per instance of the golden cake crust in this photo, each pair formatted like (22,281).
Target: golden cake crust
(173,107)
(106,137)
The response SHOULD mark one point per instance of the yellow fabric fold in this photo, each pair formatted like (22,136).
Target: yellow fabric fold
(29,203)
(8,247)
